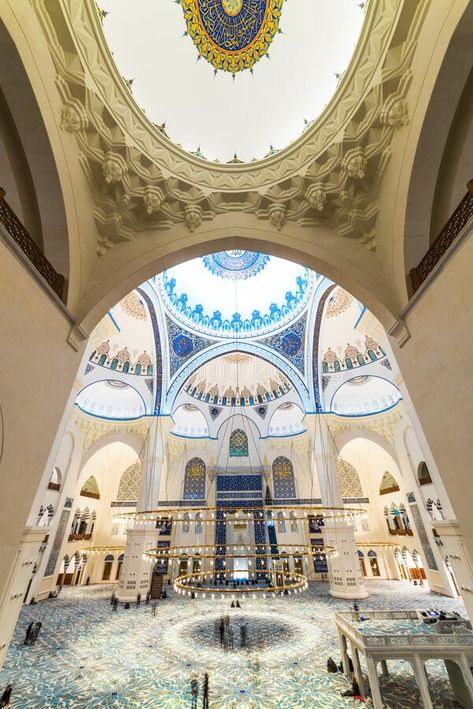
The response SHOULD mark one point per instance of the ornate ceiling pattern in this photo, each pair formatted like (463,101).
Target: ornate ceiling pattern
(202,294)
(232,35)
(237,379)
(329,176)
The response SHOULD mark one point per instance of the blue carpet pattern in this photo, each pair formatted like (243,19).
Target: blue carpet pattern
(88,656)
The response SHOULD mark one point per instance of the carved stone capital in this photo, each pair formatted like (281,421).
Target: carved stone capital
(395,113)
(73,118)
(277,215)
(193,216)
(355,163)
(153,199)
(316,196)
(114,168)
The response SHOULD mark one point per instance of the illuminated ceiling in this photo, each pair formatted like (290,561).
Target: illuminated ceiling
(247,116)
(236,293)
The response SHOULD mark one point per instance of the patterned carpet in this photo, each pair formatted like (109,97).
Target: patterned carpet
(88,656)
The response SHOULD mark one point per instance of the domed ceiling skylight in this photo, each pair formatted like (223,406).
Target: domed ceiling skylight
(236,293)
(292,65)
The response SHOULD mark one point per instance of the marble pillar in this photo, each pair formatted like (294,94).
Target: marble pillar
(143,534)
(346,580)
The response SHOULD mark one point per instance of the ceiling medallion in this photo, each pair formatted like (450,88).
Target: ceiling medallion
(232,35)
(236,265)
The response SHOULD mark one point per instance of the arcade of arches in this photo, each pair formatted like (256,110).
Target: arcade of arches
(235,355)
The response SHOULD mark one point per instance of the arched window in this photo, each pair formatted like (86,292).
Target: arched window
(348,479)
(119,566)
(84,521)
(90,488)
(107,568)
(292,516)
(404,516)
(238,444)
(55,480)
(186,525)
(423,474)
(130,483)
(388,484)
(194,480)
(76,521)
(283,478)
(199,527)
(281,522)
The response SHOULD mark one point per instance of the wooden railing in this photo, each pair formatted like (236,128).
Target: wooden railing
(22,239)
(459,219)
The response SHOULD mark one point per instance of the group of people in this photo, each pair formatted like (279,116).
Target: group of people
(236,604)
(227,635)
(127,605)
(195,690)
(354,690)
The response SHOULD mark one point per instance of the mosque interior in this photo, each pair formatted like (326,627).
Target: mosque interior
(235,358)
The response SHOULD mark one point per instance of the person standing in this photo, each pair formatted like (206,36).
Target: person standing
(138,600)
(153,608)
(28,634)
(205,692)
(148,596)
(194,690)
(115,604)
(35,632)
(5,698)
(112,598)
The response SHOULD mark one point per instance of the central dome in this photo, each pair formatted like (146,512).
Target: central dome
(236,293)
(232,80)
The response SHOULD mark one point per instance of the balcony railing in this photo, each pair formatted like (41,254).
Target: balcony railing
(22,239)
(459,219)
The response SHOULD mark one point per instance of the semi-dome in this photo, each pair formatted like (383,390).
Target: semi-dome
(236,293)
(365,395)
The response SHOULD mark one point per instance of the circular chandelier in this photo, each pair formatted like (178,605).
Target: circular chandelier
(321,513)
(199,585)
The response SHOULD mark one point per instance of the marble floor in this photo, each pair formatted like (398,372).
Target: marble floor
(89,656)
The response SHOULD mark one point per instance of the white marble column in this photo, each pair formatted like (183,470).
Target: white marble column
(357,667)
(141,535)
(14,590)
(346,580)
(422,683)
(342,643)
(467,675)
(374,683)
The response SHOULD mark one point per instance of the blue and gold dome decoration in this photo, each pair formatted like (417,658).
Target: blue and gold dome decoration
(237,265)
(232,35)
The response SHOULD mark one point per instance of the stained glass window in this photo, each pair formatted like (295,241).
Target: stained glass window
(283,478)
(194,480)
(238,444)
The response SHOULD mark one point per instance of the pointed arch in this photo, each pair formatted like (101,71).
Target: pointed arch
(90,488)
(195,479)
(129,487)
(388,484)
(348,479)
(283,478)
(238,444)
